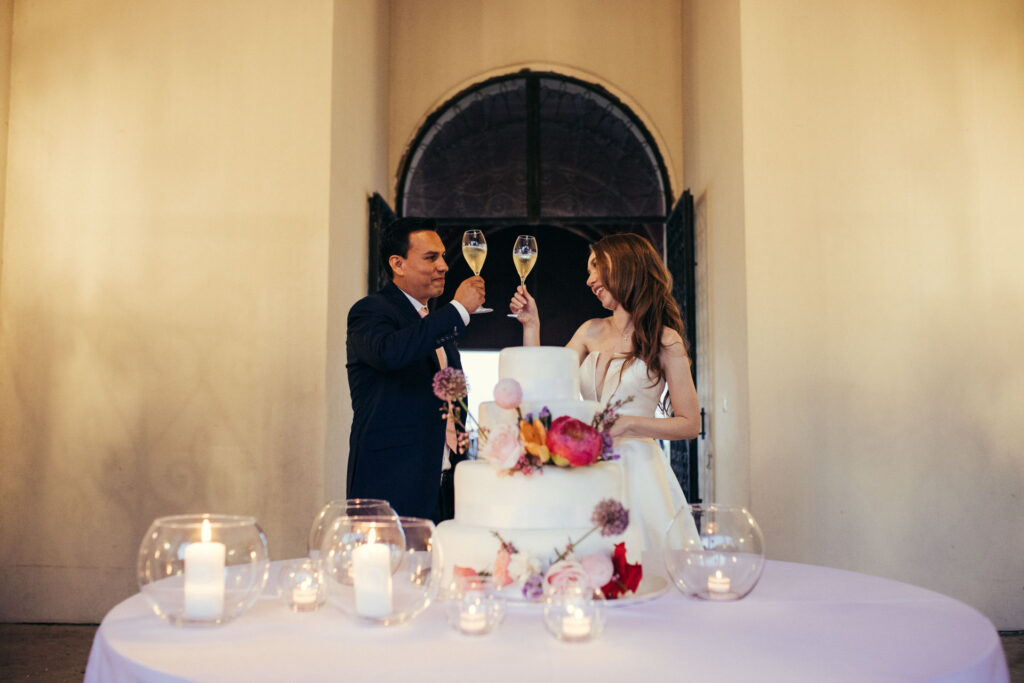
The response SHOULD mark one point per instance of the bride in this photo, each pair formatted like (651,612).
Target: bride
(636,351)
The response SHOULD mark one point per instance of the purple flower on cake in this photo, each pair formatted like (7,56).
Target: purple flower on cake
(503,447)
(508,393)
(611,517)
(573,443)
(603,422)
(450,384)
(599,569)
(533,589)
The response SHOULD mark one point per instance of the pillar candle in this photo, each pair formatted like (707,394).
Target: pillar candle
(204,577)
(371,578)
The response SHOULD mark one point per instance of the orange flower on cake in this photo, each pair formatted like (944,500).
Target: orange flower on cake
(534,436)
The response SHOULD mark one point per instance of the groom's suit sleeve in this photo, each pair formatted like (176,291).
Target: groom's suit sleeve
(380,340)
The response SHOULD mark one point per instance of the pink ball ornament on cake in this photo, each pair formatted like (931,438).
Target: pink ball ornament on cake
(508,393)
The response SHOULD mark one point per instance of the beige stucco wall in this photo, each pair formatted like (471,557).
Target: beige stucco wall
(359,146)
(632,49)
(883,161)
(169,234)
(6,16)
(713,126)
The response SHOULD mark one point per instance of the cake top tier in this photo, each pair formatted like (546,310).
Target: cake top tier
(546,373)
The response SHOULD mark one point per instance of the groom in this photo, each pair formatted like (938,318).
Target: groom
(398,447)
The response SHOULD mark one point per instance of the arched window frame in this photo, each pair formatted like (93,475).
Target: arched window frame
(533,213)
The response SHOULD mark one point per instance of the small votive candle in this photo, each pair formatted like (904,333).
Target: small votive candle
(304,598)
(575,613)
(473,620)
(718,585)
(299,584)
(576,627)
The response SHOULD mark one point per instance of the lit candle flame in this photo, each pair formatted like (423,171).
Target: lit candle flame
(205,533)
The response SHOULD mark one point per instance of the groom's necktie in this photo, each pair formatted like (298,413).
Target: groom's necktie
(450,435)
(442,357)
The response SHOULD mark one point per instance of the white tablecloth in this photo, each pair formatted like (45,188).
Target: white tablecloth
(801,623)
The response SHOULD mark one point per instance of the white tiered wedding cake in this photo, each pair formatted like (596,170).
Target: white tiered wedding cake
(535,515)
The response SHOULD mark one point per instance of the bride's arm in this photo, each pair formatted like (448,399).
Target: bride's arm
(685,423)
(525,308)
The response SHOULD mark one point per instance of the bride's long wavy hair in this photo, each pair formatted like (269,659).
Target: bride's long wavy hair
(635,275)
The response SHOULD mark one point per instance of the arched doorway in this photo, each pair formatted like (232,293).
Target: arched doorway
(553,156)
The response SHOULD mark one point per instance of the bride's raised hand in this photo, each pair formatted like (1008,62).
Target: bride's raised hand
(621,427)
(524,307)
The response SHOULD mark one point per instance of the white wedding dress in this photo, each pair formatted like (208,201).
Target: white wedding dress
(654,492)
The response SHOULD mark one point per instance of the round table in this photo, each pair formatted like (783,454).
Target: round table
(800,623)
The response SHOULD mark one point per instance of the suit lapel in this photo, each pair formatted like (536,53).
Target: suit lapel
(401,303)
(408,314)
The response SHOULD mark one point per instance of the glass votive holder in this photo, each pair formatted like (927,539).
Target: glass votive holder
(714,552)
(300,585)
(575,613)
(202,570)
(379,569)
(473,607)
(350,507)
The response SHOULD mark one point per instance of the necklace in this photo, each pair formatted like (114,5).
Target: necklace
(627,333)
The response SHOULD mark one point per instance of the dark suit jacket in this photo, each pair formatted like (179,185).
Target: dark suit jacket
(397,439)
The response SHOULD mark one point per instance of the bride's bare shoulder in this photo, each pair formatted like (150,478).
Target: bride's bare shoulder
(588,336)
(594,330)
(672,342)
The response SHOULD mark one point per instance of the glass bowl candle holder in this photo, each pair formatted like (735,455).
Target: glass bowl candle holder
(714,552)
(350,507)
(300,585)
(202,570)
(473,607)
(575,613)
(381,569)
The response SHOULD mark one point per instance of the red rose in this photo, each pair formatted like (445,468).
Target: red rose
(574,442)
(626,577)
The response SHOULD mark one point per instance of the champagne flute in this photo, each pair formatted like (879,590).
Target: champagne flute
(524,255)
(474,250)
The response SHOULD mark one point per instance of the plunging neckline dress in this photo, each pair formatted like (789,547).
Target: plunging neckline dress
(654,492)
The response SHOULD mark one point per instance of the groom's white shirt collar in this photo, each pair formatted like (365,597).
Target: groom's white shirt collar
(463,313)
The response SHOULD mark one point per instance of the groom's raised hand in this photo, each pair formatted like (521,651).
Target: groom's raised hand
(470,293)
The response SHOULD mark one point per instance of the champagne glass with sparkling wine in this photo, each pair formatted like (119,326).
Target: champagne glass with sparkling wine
(524,255)
(474,250)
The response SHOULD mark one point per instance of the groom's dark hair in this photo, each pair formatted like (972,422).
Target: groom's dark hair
(394,239)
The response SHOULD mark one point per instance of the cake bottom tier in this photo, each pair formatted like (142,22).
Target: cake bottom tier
(476,548)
